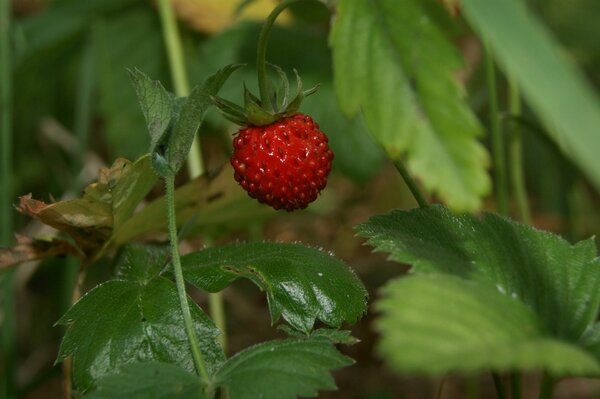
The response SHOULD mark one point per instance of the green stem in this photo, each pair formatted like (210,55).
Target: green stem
(181,85)
(499,386)
(261,62)
(515,154)
(546,386)
(7,388)
(515,385)
(497,139)
(412,186)
(178,272)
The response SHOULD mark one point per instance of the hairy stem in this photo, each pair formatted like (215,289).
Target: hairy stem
(178,272)
(181,85)
(7,385)
(412,185)
(497,139)
(515,154)
(263,38)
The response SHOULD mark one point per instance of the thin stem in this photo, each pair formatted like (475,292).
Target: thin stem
(515,154)
(263,38)
(497,139)
(515,385)
(499,386)
(7,388)
(412,186)
(181,85)
(178,272)
(546,386)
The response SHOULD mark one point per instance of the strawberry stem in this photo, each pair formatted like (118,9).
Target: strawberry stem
(412,186)
(263,38)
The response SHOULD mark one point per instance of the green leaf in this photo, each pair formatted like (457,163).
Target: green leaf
(157,105)
(302,284)
(438,324)
(392,62)
(550,83)
(558,281)
(141,262)
(137,319)
(335,336)
(173,144)
(284,369)
(150,380)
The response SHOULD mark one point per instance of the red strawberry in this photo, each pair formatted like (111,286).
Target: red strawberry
(284,164)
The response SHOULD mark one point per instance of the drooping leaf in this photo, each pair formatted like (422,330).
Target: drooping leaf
(284,369)
(392,62)
(568,106)
(436,324)
(150,380)
(134,319)
(302,284)
(104,206)
(558,281)
(28,249)
(208,201)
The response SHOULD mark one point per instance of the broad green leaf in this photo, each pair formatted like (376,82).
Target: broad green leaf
(141,262)
(551,84)
(303,284)
(170,148)
(284,369)
(392,62)
(150,380)
(104,206)
(347,137)
(436,324)
(559,282)
(335,336)
(136,319)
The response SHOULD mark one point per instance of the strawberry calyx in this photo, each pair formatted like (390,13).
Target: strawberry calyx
(256,112)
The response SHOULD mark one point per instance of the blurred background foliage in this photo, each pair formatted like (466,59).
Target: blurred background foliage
(75,111)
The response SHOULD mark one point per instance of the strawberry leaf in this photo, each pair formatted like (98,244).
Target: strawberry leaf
(172,124)
(302,284)
(135,318)
(392,62)
(557,282)
(284,369)
(151,380)
(437,324)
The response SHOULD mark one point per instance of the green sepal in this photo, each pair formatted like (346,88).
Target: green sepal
(284,93)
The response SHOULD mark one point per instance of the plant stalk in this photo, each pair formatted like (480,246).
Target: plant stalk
(499,386)
(179,281)
(515,154)
(7,385)
(261,61)
(195,162)
(412,185)
(515,385)
(498,151)
(546,386)
(181,85)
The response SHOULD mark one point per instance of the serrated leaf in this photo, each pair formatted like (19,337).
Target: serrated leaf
(568,106)
(438,324)
(392,62)
(333,335)
(157,105)
(558,281)
(302,284)
(150,380)
(284,369)
(104,206)
(137,319)
(141,262)
(174,144)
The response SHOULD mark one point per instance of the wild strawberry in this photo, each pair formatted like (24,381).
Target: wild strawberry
(280,157)
(284,164)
